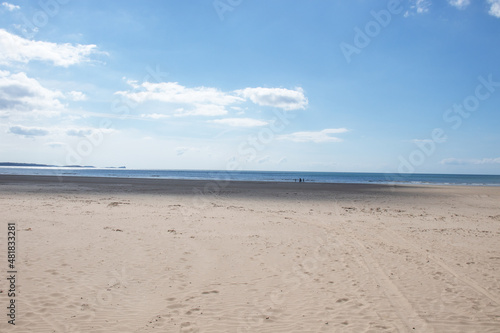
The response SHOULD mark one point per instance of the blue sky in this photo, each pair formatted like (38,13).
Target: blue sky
(362,86)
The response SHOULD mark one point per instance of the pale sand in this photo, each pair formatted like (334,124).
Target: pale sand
(117,255)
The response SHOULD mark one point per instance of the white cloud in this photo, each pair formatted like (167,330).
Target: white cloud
(173,92)
(263,159)
(77,96)
(316,137)
(418,7)
(55,144)
(422,140)
(240,122)
(80,132)
(209,101)
(422,6)
(282,160)
(457,161)
(83,132)
(10,7)
(198,101)
(181,150)
(18,49)
(28,131)
(488,161)
(209,110)
(495,8)
(58,131)
(452,161)
(18,92)
(460,4)
(155,116)
(276,97)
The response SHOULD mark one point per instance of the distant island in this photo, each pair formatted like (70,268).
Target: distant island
(14,164)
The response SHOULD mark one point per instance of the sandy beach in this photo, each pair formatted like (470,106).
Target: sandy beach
(144,255)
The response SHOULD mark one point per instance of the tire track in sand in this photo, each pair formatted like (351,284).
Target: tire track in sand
(404,243)
(411,321)
(402,306)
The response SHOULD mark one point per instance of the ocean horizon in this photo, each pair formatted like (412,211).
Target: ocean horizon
(266,176)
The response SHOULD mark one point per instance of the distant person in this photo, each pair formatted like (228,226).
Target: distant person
(300,180)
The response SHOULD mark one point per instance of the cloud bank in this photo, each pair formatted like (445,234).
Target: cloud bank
(457,161)
(210,102)
(494,8)
(285,99)
(10,7)
(28,131)
(240,122)
(16,49)
(18,92)
(316,137)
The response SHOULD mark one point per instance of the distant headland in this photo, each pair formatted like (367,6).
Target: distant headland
(15,164)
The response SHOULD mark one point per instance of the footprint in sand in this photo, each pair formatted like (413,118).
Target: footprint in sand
(188,327)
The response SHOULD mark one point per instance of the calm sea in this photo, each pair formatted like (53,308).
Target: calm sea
(314,177)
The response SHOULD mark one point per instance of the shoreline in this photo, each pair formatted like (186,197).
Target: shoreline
(213,184)
(185,187)
(282,177)
(203,191)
